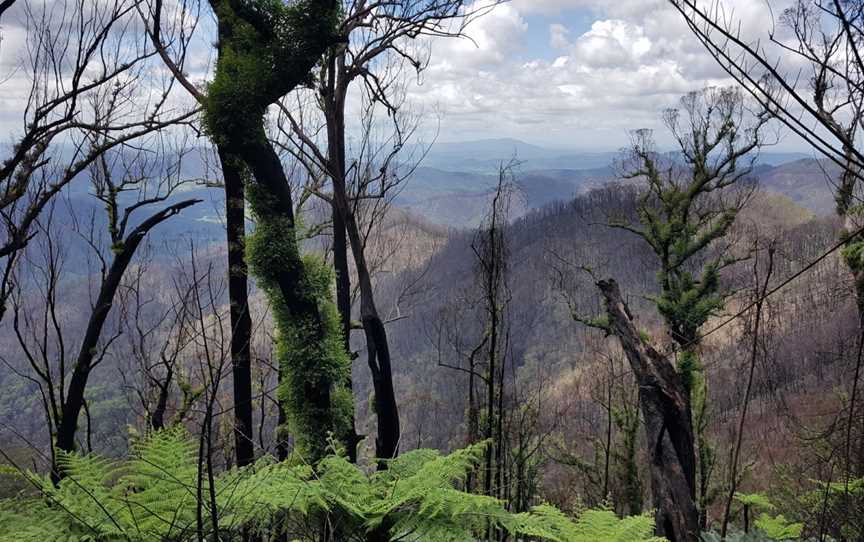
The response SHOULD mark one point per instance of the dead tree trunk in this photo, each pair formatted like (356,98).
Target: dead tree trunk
(68,423)
(377,344)
(335,112)
(238,297)
(668,426)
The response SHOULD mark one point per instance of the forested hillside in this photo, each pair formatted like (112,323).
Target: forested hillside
(257,286)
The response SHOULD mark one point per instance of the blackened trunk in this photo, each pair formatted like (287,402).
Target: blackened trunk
(157,417)
(258,154)
(377,346)
(343,277)
(74,402)
(668,424)
(343,303)
(238,297)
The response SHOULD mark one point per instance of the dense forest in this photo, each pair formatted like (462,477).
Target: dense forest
(246,296)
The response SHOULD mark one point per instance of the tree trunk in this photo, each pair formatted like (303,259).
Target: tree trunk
(377,346)
(334,104)
(278,206)
(68,424)
(157,418)
(343,304)
(668,424)
(238,297)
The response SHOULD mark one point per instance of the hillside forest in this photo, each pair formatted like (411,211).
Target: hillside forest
(246,294)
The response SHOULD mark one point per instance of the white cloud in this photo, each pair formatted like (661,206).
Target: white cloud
(616,76)
(489,40)
(559,36)
(550,7)
(612,43)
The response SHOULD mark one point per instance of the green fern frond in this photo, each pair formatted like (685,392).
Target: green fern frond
(153,497)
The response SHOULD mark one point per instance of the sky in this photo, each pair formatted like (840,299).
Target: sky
(574,74)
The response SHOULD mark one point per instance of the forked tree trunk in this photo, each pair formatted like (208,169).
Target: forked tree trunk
(666,408)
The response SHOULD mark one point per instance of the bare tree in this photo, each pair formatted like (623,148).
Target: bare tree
(66,383)
(87,71)
(818,95)
(377,40)
(157,335)
(759,295)
(171,33)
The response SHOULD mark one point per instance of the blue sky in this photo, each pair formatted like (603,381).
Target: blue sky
(536,38)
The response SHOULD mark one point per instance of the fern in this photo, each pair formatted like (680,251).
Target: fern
(778,527)
(549,523)
(153,496)
(754,500)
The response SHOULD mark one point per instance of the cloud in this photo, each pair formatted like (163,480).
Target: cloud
(489,40)
(612,43)
(559,36)
(636,59)
(550,7)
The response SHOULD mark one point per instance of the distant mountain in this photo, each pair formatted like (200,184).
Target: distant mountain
(807,182)
(489,148)
(459,197)
(486,155)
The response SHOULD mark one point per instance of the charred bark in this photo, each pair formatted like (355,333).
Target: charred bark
(157,417)
(238,297)
(377,345)
(665,407)
(68,423)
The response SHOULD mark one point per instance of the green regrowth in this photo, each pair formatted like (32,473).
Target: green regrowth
(266,48)
(308,349)
(150,497)
(853,254)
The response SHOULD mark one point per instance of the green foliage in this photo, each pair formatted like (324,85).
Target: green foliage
(735,536)
(853,254)
(153,496)
(690,368)
(756,501)
(626,464)
(36,521)
(549,523)
(841,503)
(266,48)
(309,346)
(778,527)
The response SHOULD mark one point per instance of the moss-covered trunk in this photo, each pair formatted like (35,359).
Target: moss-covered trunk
(266,50)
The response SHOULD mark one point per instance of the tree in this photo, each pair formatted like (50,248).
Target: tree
(492,262)
(686,212)
(173,54)
(825,109)
(761,289)
(63,388)
(265,51)
(73,119)
(375,42)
